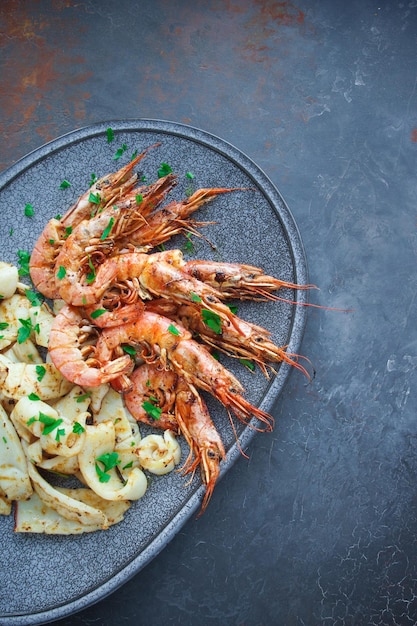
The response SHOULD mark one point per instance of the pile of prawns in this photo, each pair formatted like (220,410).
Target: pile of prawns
(141,319)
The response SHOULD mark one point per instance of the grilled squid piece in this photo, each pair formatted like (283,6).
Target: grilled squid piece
(159,454)
(102,469)
(14,478)
(9,278)
(34,516)
(19,380)
(54,433)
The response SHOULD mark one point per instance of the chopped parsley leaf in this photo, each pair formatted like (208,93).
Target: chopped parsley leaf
(173,330)
(188,246)
(50,423)
(91,276)
(212,320)
(119,152)
(59,433)
(77,428)
(152,410)
(24,258)
(83,397)
(61,272)
(94,198)
(164,170)
(34,298)
(107,230)
(25,330)
(40,371)
(129,350)
(97,313)
(110,135)
(249,364)
(108,460)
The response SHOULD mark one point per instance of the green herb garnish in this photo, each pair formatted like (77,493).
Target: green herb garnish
(34,298)
(59,433)
(65,184)
(152,410)
(212,320)
(61,273)
(94,198)
(77,428)
(50,423)
(119,152)
(109,460)
(24,258)
(83,397)
(40,371)
(107,230)
(249,364)
(188,246)
(164,170)
(97,313)
(129,350)
(91,276)
(110,135)
(173,330)
(26,329)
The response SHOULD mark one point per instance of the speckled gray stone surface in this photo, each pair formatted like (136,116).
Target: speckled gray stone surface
(50,577)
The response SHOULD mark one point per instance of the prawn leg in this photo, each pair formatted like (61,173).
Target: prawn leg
(240,281)
(172,218)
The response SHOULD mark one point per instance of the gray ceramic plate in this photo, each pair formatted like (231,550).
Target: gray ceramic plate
(45,577)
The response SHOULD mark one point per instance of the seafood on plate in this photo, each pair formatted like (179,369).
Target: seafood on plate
(136,327)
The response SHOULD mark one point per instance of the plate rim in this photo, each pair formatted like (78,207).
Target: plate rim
(298,323)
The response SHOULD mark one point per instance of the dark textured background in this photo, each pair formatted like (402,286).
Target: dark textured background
(319,526)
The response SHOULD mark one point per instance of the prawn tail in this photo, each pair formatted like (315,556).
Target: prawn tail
(120,366)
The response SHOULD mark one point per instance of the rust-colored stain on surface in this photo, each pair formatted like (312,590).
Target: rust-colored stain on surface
(414,135)
(41,76)
(281,13)
(269,21)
